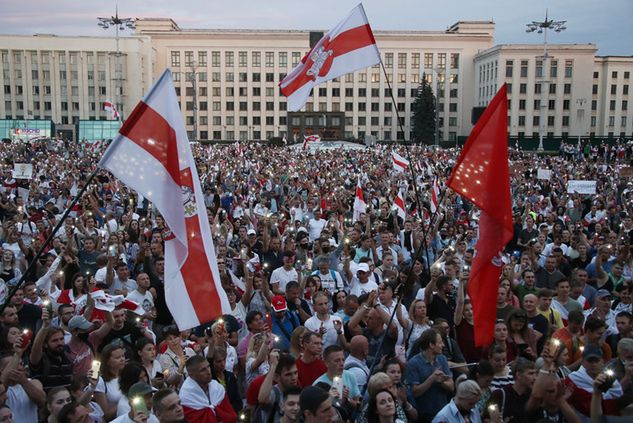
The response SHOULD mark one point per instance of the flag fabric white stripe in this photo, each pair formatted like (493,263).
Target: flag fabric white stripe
(400,164)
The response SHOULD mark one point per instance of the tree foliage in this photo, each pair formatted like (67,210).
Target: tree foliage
(424,114)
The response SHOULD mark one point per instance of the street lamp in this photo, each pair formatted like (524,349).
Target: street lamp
(119,24)
(437,102)
(194,67)
(541,28)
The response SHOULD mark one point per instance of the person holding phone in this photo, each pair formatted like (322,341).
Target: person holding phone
(140,399)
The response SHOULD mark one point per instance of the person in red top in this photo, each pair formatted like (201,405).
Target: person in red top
(204,400)
(309,364)
(571,336)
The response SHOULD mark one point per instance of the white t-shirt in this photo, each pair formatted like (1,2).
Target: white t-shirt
(330,337)
(145,300)
(315,227)
(328,282)
(231,357)
(117,283)
(358,289)
(283,276)
(110,389)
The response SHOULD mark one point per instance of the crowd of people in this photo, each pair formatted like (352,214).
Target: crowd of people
(336,315)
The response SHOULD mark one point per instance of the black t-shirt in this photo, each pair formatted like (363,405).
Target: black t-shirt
(87,261)
(29,315)
(512,404)
(127,336)
(525,236)
(443,309)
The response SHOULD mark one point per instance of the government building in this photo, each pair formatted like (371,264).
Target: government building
(227,83)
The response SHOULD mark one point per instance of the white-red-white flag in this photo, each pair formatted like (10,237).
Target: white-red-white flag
(108,106)
(400,206)
(360,206)
(152,155)
(435,194)
(347,47)
(400,164)
(310,138)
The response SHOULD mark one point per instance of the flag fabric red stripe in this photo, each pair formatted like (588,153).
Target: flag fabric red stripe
(481,175)
(346,41)
(155,136)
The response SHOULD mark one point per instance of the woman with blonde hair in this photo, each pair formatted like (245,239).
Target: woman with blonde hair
(257,356)
(418,322)
(296,348)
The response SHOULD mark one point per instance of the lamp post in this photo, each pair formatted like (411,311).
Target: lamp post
(437,102)
(580,115)
(541,28)
(194,68)
(119,24)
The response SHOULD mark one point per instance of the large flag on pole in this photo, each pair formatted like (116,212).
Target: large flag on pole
(400,206)
(481,175)
(435,194)
(109,107)
(360,206)
(151,154)
(400,164)
(347,47)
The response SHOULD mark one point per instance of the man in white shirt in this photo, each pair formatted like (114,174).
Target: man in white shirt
(142,296)
(331,280)
(323,322)
(362,283)
(316,225)
(284,274)
(120,284)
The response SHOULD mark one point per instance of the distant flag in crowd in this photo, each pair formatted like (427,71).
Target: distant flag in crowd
(347,47)
(285,139)
(435,194)
(481,175)
(152,155)
(400,206)
(400,164)
(360,206)
(310,138)
(109,107)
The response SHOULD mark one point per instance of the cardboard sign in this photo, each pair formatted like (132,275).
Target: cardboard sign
(626,172)
(23,171)
(581,187)
(544,174)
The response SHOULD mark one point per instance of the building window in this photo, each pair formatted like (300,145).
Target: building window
(521,120)
(625,105)
(415,60)
(614,89)
(455,60)
(552,88)
(593,121)
(256,58)
(389,60)
(270,59)
(202,58)
(283,59)
(623,121)
(509,68)
(539,68)
(551,104)
(215,59)
(594,89)
(611,120)
(428,60)
(565,104)
(567,89)
(402,60)
(553,72)
(612,105)
(175,59)
(594,104)
(296,58)
(568,68)
(565,120)
(524,68)
(188,58)
(523,89)
(522,104)
(441,60)
(614,74)
(537,88)
(229,59)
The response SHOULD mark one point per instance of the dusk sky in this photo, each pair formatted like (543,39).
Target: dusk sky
(605,23)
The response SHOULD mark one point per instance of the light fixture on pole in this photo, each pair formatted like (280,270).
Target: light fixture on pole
(194,68)
(119,24)
(542,28)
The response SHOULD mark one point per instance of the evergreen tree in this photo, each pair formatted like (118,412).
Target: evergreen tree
(423,113)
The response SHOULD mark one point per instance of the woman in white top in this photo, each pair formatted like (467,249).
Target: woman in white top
(146,351)
(418,323)
(132,373)
(107,393)
(257,356)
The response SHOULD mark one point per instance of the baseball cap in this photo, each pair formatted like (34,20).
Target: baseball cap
(279,303)
(251,232)
(79,322)
(602,293)
(591,351)
(139,389)
(363,267)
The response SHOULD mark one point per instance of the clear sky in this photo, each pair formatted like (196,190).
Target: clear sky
(607,23)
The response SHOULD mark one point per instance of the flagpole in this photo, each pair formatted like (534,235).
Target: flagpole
(49,239)
(411,169)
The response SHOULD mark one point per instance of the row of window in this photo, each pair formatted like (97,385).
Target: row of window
(551,121)
(613,89)
(538,88)
(553,73)
(200,60)
(614,74)
(73,57)
(63,90)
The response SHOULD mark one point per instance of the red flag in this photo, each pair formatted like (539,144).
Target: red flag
(152,155)
(348,47)
(481,175)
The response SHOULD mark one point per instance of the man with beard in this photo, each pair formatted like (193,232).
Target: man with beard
(78,351)
(48,360)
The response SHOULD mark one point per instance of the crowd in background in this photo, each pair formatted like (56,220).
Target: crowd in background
(335,316)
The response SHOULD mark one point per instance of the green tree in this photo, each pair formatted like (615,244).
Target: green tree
(423,109)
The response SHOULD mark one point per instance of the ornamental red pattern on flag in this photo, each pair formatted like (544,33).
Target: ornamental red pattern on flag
(347,47)
(152,155)
(481,175)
